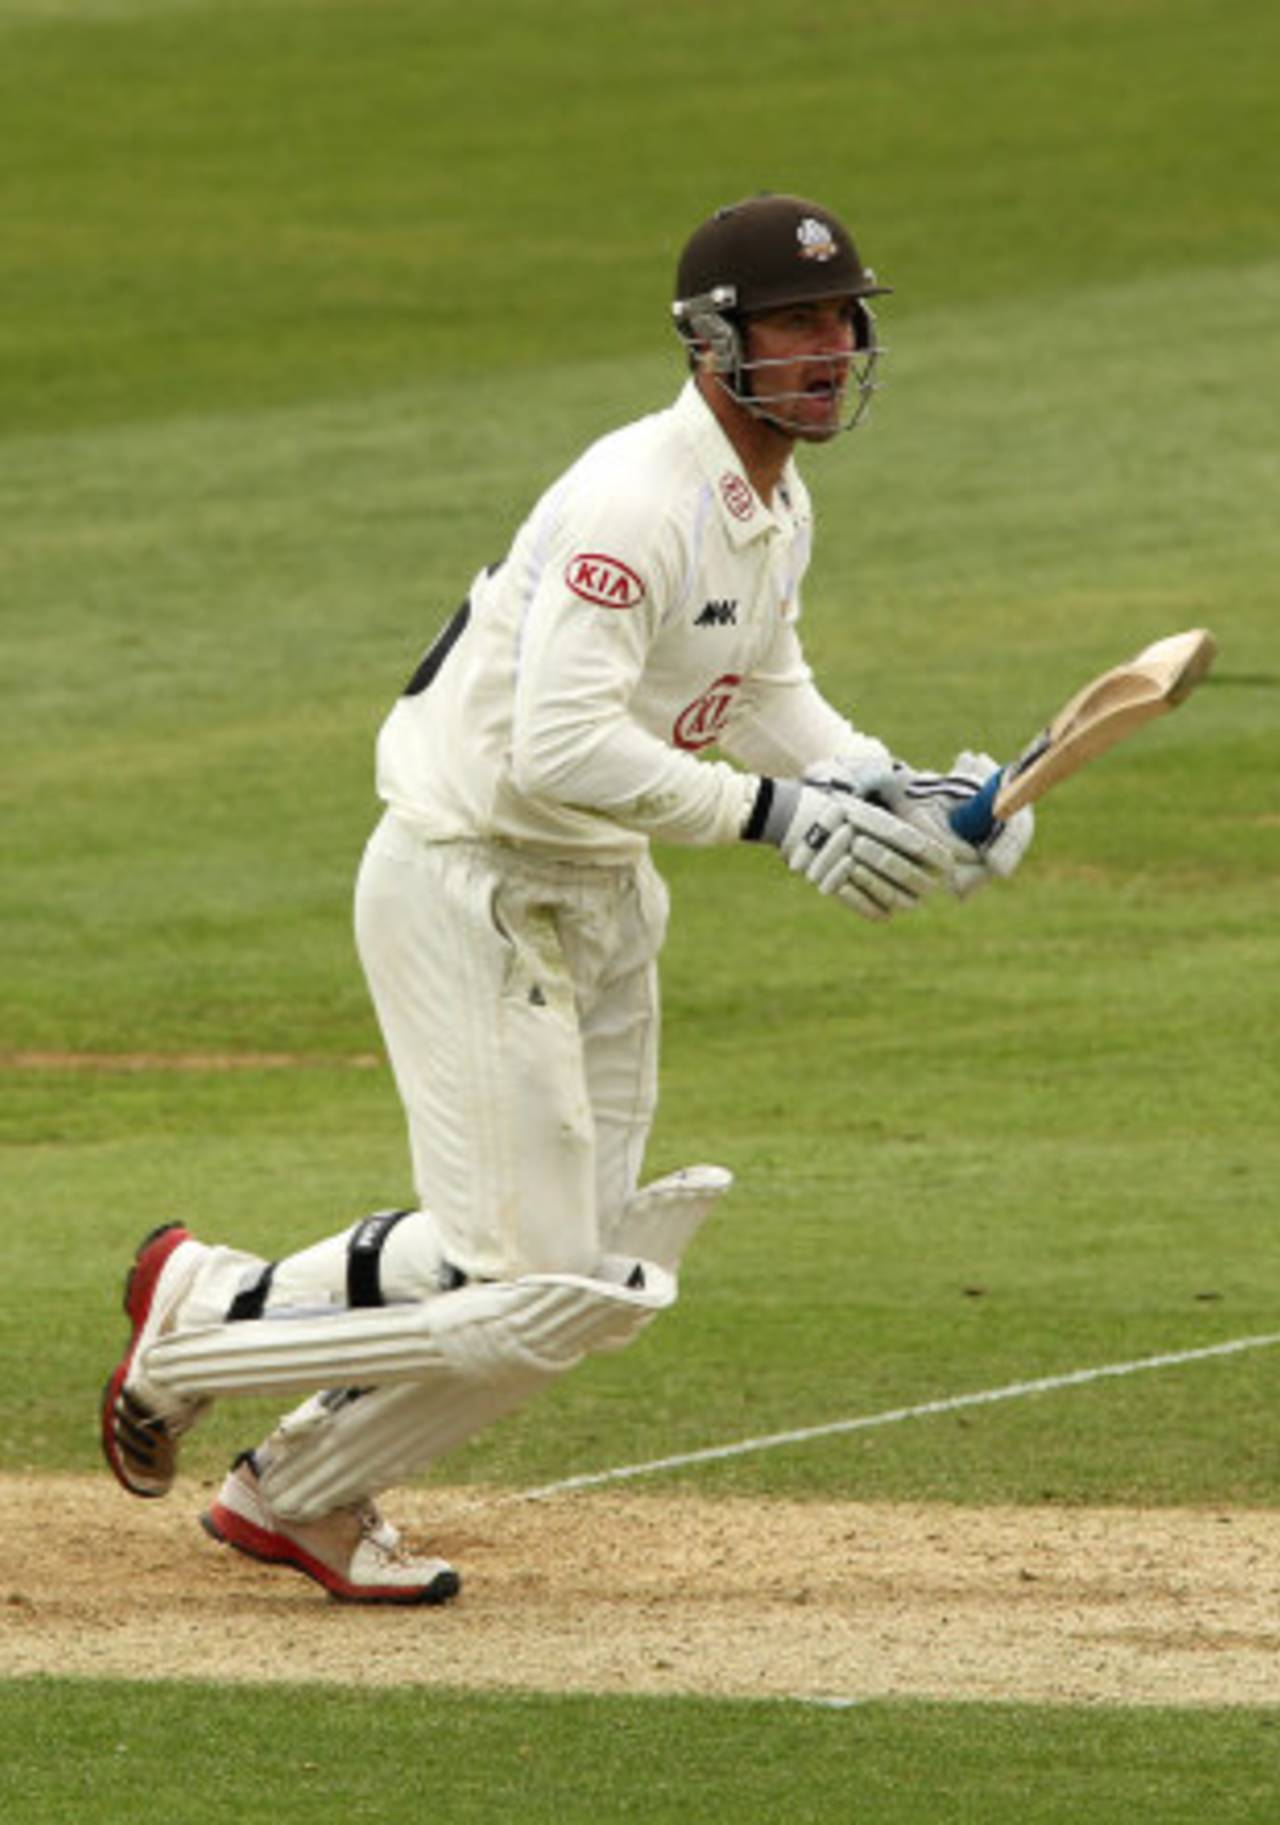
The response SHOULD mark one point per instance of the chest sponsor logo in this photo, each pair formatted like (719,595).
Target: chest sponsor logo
(700,724)
(607,582)
(717,613)
(736,495)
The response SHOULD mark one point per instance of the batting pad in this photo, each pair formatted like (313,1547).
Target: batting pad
(337,1449)
(543,1323)
(661,1220)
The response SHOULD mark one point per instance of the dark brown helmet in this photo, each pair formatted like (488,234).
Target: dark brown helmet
(768,251)
(758,255)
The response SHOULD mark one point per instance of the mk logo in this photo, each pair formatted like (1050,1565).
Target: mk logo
(718,613)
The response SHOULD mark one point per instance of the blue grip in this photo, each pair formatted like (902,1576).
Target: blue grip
(976,818)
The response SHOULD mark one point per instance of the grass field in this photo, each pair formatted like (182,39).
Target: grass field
(304,302)
(701,1761)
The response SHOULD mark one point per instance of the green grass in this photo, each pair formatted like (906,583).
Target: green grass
(79,1748)
(303,302)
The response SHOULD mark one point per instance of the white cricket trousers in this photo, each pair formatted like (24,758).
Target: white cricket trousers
(518,1000)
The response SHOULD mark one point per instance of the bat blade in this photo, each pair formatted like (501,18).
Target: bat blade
(1107,710)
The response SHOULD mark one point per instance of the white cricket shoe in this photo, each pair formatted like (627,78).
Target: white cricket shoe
(140,1425)
(357,1555)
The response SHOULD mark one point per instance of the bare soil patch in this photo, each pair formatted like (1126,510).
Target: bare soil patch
(606,1593)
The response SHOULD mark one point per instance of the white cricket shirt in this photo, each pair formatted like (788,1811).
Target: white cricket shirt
(646,610)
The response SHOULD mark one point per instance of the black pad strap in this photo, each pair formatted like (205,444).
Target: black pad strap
(364,1257)
(251,1300)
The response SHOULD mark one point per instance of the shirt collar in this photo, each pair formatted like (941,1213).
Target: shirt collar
(743,514)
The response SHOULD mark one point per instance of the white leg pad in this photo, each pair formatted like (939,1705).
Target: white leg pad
(542,1322)
(329,1452)
(661,1220)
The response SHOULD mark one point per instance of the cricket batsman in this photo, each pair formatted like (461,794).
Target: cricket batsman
(509,918)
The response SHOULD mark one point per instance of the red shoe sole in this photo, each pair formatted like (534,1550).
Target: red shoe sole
(231,1529)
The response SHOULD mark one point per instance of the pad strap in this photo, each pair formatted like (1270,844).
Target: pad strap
(364,1257)
(251,1300)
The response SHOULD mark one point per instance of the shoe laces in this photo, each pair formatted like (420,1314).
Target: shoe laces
(381,1533)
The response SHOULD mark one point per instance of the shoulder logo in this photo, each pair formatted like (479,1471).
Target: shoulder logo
(816,240)
(736,494)
(607,582)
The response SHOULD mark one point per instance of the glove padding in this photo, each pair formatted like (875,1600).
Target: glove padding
(874,862)
(926,800)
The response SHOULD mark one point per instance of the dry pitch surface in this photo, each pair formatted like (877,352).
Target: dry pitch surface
(671,1593)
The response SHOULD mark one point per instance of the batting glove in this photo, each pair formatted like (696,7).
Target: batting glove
(926,801)
(871,860)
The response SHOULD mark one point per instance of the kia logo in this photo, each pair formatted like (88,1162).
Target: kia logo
(607,582)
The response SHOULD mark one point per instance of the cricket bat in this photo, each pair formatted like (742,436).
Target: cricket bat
(1108,710)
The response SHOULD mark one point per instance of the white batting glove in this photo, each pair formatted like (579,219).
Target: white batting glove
(926,801)
(871,860)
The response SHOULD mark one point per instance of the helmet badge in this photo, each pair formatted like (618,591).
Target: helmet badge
(816,240)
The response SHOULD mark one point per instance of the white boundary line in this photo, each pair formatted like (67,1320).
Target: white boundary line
(954,1403)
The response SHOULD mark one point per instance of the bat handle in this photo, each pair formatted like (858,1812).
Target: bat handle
(975,819)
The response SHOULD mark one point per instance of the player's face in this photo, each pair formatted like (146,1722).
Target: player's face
(799,358)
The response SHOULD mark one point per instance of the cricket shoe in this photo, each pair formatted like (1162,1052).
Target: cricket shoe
(353,1551)
(140,1425)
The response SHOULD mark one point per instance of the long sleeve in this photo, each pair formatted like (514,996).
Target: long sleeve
(784,724)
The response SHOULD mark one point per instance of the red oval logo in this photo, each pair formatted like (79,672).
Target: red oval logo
(737,495)
(701,723)
(607,582)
